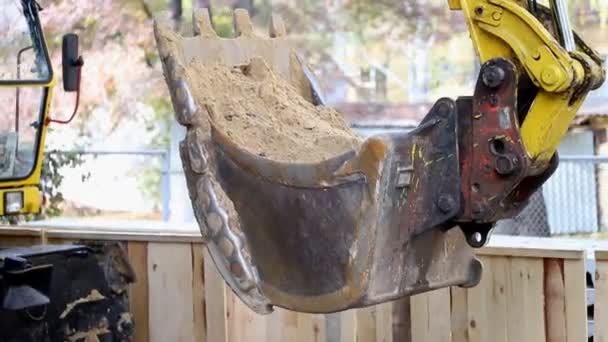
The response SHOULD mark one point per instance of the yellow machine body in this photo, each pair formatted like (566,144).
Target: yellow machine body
(29,185)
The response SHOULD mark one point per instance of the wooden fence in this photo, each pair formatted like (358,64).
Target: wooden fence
(531,294)
(601,297)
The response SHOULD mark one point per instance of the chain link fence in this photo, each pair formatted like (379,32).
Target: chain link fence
(573,201)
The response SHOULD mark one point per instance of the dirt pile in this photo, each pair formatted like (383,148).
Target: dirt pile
(265,115)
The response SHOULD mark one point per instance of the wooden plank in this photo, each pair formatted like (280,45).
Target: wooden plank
(431,316)
(574,254)
(333,325)
(366,324)
(98,233)
(147,231)
(601,255)
(525,318)
(517,296)
(489,311)
(125,236)
(19,241)
(535,301)
(478,316)
(348,326)
(282,325)
(544,245)
(459,315)
(244,324)
(198,292)
(138,292)
(576,300)
(384,322)
(216,310)
(601,300)
(420,317)
(170,292)
(440,312)
(402,323)
(311,328)
(555,300)
(498,271)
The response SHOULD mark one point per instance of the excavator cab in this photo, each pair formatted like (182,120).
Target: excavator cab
(26,85)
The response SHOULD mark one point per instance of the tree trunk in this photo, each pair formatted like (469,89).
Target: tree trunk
(246,4)
(176,9)
(202,4)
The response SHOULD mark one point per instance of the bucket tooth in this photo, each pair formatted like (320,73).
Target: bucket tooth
(277,27)
(242,23)
(202,25)
(167,39)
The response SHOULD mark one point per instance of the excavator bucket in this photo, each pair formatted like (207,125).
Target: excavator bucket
(297,211)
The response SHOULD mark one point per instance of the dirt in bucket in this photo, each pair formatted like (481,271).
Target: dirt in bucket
(265,115)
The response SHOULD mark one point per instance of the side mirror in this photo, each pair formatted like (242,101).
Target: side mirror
(72,65)
(71,62)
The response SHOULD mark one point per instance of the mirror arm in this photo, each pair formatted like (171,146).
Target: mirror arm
(78,63)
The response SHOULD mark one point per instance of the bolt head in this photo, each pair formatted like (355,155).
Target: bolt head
(446,203)
(444,109)
(477,208)
(493,76)
(505,165)
(549,75)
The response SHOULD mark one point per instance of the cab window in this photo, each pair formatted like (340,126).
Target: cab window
(19,128)
(22,52)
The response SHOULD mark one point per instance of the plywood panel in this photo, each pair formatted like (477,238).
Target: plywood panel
(170,292)
(576,300)
(601,300)
(525,300)
(555,301)
(431,316)
(216,309)
(198,293)
(138,292)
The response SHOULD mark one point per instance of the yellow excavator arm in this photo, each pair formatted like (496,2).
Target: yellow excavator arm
(558,62)
(299,213)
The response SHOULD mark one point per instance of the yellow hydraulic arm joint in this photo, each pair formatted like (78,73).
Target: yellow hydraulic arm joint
(507,29)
